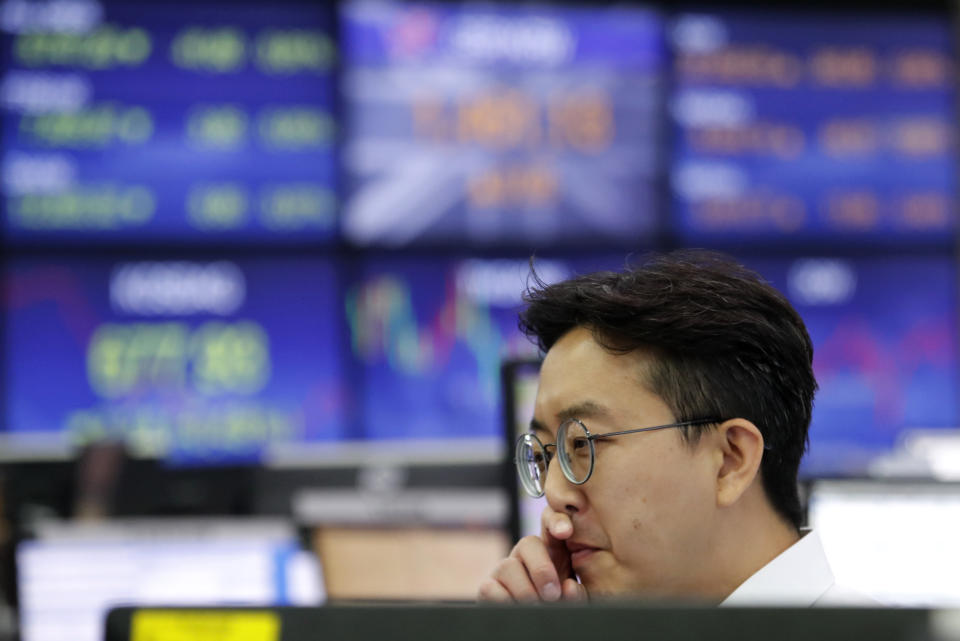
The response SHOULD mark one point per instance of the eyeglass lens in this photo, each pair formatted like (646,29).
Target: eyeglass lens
(532,462)
(575,451)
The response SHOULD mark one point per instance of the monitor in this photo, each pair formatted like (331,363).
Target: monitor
(429,334)
(885,351)
(73,573)
(619,621)
(521,378)
(798,126)
(407,534)
(151,122)
(891,540)
(199,360)
(481,124)
(408,563)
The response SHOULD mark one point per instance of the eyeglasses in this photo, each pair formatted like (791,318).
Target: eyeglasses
(575,450)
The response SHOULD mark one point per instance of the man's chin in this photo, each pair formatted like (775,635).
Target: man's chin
(607,584)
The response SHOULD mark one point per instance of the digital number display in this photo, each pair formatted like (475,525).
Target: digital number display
(508,125)
(813,127)
(158,123)
(885,351)
(189,360)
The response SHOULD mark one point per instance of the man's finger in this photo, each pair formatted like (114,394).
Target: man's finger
(512,575)
(573,591)
(532,552)
(557,528)
(491,591)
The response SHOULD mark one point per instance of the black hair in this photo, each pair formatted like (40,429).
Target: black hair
(725,344)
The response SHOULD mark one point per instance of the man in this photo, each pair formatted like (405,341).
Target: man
(704,372)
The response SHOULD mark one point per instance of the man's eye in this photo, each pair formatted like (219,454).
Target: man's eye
(579,443)
(542,458)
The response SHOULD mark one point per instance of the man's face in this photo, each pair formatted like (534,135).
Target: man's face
(648,510)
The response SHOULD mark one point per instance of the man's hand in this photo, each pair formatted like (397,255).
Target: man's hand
(538,568)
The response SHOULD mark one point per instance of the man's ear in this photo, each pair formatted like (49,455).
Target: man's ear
(741,447)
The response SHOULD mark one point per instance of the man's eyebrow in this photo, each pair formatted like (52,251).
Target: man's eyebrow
(586,409)
(537,426)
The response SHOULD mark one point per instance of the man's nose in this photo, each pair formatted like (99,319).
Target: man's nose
(561,494)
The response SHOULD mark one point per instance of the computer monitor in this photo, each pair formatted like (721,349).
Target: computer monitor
(73,573)
(408,563)
(199,359)
(796,126)
(428,334)
(479,124)
(892,540)
(154,123)
(520,380)
(563,622)
(883,329)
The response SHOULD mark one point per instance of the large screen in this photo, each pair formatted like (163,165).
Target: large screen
(885,352)
(194,360)
(499,124)
(828,127)
(429,336)
(153,122)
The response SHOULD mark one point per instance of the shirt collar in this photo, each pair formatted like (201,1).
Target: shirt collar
(797,577)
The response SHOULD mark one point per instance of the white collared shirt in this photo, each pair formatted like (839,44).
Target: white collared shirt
(799,577)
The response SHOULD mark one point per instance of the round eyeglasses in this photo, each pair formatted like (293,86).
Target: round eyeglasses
(575,451)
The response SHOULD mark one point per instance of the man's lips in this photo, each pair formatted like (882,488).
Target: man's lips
(580,552)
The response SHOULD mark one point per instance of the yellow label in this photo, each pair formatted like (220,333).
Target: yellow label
(197,625)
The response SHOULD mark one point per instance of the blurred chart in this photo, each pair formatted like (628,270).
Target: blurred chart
(885,351)
(430,336)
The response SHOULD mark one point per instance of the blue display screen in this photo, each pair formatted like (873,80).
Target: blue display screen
(885,351)
(153,122)
(813,127)
(486,124)
(194,360)
(429,337)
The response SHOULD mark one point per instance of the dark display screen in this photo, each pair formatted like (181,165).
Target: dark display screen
(885,351)
(155,123)
(190,360)
(835,127)
(499,124)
